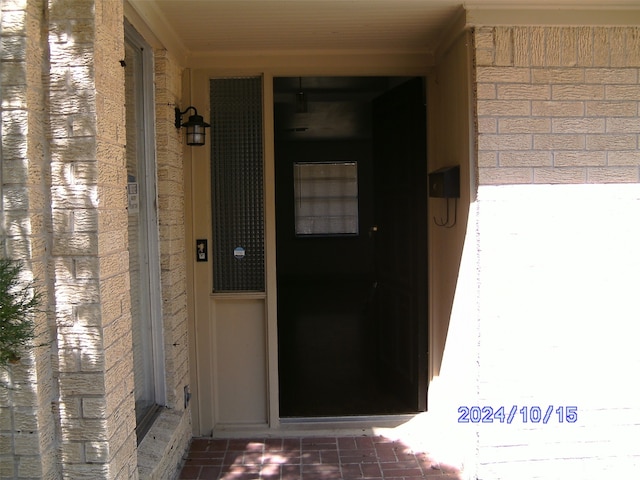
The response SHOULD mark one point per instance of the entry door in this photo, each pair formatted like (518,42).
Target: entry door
(401,240)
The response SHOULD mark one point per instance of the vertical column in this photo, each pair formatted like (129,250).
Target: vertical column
(27,445)
(89,248)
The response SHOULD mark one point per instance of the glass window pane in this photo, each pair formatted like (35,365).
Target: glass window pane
(326,198)
(143,238)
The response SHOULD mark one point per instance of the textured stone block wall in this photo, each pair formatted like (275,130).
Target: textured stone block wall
(171,220)
(558,105)
(27,447)
(89,244)
(160,453)
(556,235)
(68,411)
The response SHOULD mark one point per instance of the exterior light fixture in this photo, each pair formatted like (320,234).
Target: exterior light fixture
(195,126)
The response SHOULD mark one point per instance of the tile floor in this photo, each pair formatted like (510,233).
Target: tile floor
(311,458)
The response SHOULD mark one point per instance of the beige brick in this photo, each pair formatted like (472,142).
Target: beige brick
(611,75)
(29,467)
(617,47)
(578,125)
(25,443)
(69,359)
(75,244)
(524,125)
(120,370)
(486,91)
(613,175)
(585,46)
(569,46)
(487,159)
(487,125)
(12,22)
(13,73)
(504,108)
(579,159)
(525,159)
(96,452)
(93,407)
(623,92)
(612,142)
(623,125)
(484,57)
(601,51)
(611,109)
(633,47)
(560,175)
(623,158)
(484,38)
(72,452)
(504,142)
(577,92)
(558,142)
(557,109)
(537,47)
(503,46)
(521,46)
(505,176)
(503,75)
(82,430)
(553,50)
(82,384)
(524,92)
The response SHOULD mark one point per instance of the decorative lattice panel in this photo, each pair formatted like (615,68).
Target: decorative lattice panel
(237,184)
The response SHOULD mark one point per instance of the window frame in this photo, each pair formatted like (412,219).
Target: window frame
(144,83)
(299,194)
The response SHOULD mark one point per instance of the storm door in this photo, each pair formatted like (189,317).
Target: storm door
(400,234)
(350,165)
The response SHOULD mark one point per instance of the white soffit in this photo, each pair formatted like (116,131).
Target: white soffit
(201,29)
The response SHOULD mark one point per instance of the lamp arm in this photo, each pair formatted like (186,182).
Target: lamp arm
(178,121)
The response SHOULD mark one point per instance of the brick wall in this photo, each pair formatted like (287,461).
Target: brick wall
(67,409)
(558,105)
(557,233)
(26,423)
(160,453)
(89,245)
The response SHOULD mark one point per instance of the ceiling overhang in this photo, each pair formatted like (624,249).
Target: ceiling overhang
(399,35)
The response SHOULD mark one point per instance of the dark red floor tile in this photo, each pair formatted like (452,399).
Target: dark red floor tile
(371,470)
(318,441)
(404,472)
(210,473)
(199,445)
(347,443)
(189,472)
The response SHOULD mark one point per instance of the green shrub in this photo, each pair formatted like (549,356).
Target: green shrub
(18,303)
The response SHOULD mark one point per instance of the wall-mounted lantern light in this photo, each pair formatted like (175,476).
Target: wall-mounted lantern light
(195,126)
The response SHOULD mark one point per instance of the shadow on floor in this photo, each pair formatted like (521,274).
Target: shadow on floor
(311,458)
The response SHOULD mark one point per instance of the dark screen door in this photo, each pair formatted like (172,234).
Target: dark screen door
(400,185)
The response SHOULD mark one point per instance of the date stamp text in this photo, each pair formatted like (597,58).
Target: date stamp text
(520,414)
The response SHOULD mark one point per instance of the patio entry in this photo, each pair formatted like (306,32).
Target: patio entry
(351,226)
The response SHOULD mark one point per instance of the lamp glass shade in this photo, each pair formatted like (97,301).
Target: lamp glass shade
(196,130)
(195,135)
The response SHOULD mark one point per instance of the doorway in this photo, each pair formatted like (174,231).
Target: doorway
(351,281)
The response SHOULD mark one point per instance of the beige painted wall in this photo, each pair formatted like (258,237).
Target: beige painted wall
(451,142)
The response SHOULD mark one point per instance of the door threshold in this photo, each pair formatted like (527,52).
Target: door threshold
(317,426)
(394,420)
